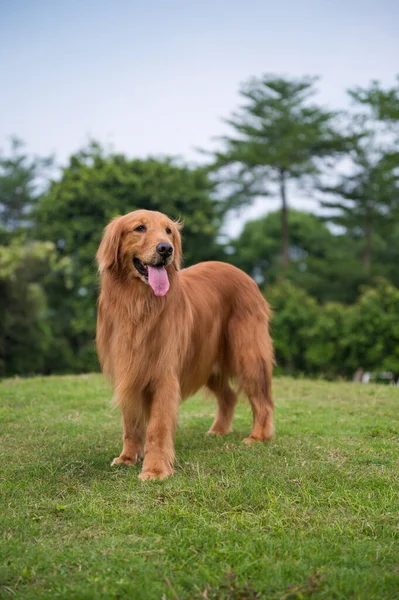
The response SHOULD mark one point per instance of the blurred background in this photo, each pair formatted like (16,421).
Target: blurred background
(271,129)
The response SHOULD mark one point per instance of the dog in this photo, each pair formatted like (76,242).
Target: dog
(163,333)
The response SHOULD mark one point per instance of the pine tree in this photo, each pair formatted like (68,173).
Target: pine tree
(366,201)
(279,136)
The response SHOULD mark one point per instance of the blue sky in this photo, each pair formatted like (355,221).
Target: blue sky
(157,76)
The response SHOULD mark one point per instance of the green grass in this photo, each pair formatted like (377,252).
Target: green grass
(315,513)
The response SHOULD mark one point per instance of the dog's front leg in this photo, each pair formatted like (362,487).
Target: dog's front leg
(133,419)
(159,452)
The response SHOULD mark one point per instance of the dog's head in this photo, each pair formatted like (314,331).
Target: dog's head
(143,244)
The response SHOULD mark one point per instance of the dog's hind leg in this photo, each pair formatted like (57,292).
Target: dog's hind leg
(262,405)
(252,353)
(227,400)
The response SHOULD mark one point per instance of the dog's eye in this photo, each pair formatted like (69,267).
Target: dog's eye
(140,228)
(168,230)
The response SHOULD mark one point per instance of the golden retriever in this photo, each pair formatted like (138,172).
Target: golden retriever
(163,333)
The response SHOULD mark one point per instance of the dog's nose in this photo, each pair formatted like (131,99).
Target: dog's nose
(164,249)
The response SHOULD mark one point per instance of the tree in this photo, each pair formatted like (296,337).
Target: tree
(366,200)
(94,188)
(279,137)
(321,262)
(335,340)
(386,253)
(383,105)
(294,313)
(373,332)
(20,179)
(25,335)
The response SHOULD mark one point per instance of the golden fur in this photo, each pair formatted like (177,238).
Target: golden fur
(212,325)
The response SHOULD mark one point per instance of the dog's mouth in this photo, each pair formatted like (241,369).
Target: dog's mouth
(155,275)
(141,267)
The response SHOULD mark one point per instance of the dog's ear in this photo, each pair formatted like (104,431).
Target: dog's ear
(178,256)
(108,254)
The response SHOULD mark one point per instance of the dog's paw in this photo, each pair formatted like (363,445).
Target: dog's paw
(251,440)
(123,459)
(159,474)
(255,440)
(218,431)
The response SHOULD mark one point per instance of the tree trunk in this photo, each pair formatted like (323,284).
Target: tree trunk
(284,221)
(367,244)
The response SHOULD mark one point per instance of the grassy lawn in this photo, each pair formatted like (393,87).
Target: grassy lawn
(315,513)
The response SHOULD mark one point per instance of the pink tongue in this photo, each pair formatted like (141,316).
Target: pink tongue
(158,280)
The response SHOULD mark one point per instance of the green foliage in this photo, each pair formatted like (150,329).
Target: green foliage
(25,334)
(334,340)
(384,104)
(327,346)
(294,313)
(19,186)
(367,200)
(386,254)
(312,514)
(373,329)
(323,264)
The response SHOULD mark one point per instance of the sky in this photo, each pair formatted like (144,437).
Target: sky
(156,77)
